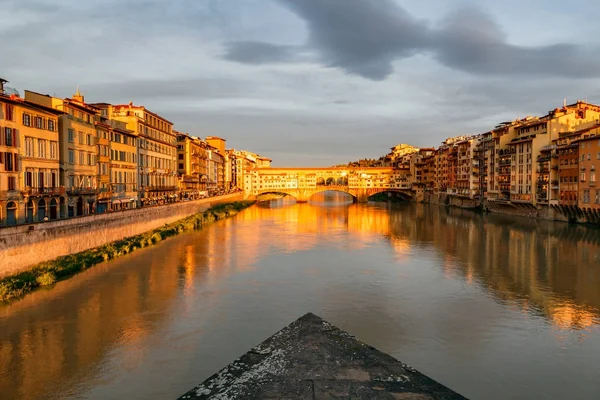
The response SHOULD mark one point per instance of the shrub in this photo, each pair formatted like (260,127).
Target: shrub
(45,279)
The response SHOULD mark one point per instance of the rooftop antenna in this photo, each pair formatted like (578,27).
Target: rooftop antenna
(565,102)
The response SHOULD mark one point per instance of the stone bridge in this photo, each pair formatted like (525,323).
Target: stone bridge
(303,183)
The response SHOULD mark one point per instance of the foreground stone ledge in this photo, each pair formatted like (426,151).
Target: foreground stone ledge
(312,359)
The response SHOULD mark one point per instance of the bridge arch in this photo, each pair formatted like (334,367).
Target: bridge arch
(333,188)
(407,194)
(330,181)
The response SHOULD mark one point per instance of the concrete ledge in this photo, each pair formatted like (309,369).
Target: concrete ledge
(312,359)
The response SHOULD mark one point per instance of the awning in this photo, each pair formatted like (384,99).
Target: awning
(116,201)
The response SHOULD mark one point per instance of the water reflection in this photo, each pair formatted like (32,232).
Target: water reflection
(412,279)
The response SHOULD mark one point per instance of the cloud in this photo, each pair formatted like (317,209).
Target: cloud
(361,37)
(251,52)
(365,37)
(471,41)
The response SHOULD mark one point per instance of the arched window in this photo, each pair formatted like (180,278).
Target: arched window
(41,210)
(11,213)
(29,211)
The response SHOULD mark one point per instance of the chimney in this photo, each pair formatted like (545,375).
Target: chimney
(2,82)
(78,96)
(565,102)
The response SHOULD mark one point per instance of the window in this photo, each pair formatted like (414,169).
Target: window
(41,148)
(39,123)
(28,178)
(12,184)
(26,119)
(81,158)
(597,200)
(589,156)
(9,112)
(89,159)
(71,135)
(583,177)
(80,137)
(54,150)
(180,166)
(28,147)
(592,176)
(181,156)
(9,137)
(9,162)
(88,140)
(71,157)
(51,125)
(586,196)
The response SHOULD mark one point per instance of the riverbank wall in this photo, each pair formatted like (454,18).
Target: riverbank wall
(27,245)
(542,212)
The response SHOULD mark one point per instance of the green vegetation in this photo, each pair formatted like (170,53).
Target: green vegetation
(48,272)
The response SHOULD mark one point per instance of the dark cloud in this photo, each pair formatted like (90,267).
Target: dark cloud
(471,41)
(361,37)
(365,37)
(251,52)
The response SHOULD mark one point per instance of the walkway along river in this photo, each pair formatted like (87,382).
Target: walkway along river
(492,306)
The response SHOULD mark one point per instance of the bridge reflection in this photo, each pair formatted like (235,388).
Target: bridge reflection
(542,267)
(53,339)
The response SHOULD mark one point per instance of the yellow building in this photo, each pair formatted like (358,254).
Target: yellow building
(192,155)
(533,136)
(157,161)
(118,146)
(78,150)
(30,189)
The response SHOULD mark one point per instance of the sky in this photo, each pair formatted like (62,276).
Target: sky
(311,82)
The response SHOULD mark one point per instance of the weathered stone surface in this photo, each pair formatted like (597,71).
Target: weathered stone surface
(312,359)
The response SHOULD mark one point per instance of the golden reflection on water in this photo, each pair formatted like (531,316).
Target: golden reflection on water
(48,338)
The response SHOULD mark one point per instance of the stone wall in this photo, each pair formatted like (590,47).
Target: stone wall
(26,245)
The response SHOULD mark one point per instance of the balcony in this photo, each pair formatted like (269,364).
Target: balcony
(159,188)
(81,190)
(43,191)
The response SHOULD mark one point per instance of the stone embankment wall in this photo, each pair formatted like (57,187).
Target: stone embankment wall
(26,245)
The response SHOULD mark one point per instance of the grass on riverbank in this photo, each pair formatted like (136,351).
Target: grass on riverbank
(49,272)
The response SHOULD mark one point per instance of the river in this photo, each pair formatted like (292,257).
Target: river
(493,306)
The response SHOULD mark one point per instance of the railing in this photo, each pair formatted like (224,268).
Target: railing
(29,191)
(159,188)
(82,190)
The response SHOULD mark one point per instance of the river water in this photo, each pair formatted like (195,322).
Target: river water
(494,307)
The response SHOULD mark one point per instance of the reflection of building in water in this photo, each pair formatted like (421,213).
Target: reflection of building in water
(47,346)
(550,267)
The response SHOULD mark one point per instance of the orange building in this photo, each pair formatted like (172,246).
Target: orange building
(589,165)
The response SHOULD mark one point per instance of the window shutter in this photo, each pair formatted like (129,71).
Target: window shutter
(2,133)
(14,138)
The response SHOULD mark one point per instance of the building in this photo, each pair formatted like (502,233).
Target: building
(589,166)
(78,149)
(192,167)
(535,135)
(157,148)
(118,156)
(30,187)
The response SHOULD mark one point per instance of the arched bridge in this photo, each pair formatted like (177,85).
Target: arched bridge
(302,183)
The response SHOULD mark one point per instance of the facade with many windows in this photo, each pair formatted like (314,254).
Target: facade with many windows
(192,159)
(157,149)
(30,189)
(78,150)
(589,170)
